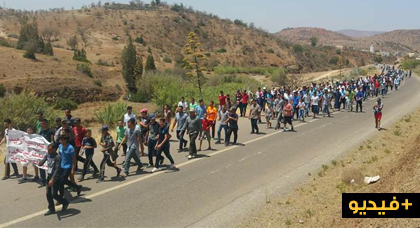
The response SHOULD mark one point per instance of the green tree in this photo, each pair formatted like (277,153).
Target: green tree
(194,58)
(138,70)
(129,60)
(280,78)
(28,33)
(30,48)
(150,63)
(48,49)
(314,41)
(297,48)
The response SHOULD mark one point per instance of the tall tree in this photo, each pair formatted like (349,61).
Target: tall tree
(129,60)
(138,70)
(314,41)
(150,63)
(194,58)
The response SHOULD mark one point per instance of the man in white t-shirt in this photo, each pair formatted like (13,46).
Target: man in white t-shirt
(8,126)
(129,115)
(314,103)
(183,103)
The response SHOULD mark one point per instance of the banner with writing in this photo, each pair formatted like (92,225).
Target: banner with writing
(25,148)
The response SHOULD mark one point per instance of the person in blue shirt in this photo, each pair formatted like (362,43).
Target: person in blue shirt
(201,109)
(68,159)
(359,100)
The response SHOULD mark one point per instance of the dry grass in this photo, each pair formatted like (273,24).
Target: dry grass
(394,158)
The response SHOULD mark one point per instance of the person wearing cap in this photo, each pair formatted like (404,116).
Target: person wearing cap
(192,127)
(143,123)
(377,111)
(254,115)
(133,138)
(151,138)
(129,115)
(110,157)
(180,118)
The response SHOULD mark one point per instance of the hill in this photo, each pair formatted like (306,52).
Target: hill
(358,34)
(398,40)
(303,35)
(158,30)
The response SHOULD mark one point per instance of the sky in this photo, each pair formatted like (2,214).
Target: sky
(275,15)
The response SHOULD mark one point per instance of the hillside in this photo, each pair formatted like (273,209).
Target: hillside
(160,31)
(358,34)
(304,34)
(398,40)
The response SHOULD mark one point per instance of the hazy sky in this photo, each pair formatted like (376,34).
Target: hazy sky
(274,15)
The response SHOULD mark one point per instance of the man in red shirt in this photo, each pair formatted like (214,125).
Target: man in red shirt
(222,100)
(244,103)
(287,113)
(80,133)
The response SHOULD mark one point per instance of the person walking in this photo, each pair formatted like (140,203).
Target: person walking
(192,127)
(377,111)
(129,115)
(288,115)
(8,126)
(110,157)
(205,131)
(68,159)
(359,101)
(212,115)
(180,118)
(88,148)
(143,122)
(163,145)
(232,122)
(54,180)
(315,104)
(326,101)
(133,138)
(254,116)
(151,139)
(121,129)
(223,115)
(244,103)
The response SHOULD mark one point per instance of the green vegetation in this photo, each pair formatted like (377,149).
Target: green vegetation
(245,70)
(48,49)
(104,63)
(221,50)
(3,42)
(410,64)
(111,114)
(98,83)
(166,59)
(64,103)
(150,64)
(2,90)
(140,40)
(138,69)
(279,77)
(314,41)
(270,50)
(240,23)
(22,109)
(129,60)
(334,60)
(85,69)
(80,55)
(297,48)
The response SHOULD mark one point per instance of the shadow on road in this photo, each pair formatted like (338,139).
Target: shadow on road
(67,213)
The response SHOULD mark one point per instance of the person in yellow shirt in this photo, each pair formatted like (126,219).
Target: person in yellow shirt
(211,116)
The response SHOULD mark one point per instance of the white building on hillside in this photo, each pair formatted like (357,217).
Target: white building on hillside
(372,49)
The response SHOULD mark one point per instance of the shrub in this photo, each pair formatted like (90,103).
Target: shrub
(409,64)
(80,55)
(166,59)
(280,78)
(103,63)
(333,60)
(222,50)
(270,50)
(3,42)
(140,40)
(98,83)
(2,90)
(297,48)
(22,109)
(115,38)
(176,20)
(111,114)
(48,49)
(338,51)
(85,69)
(64,103)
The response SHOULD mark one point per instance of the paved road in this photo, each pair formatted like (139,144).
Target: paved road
(219,189)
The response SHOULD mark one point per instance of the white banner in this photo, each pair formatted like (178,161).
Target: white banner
(25,148)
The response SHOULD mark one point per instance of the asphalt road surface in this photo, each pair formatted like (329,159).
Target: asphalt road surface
(218,189)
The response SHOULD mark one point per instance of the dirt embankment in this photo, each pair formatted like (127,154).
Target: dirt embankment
(393,154)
